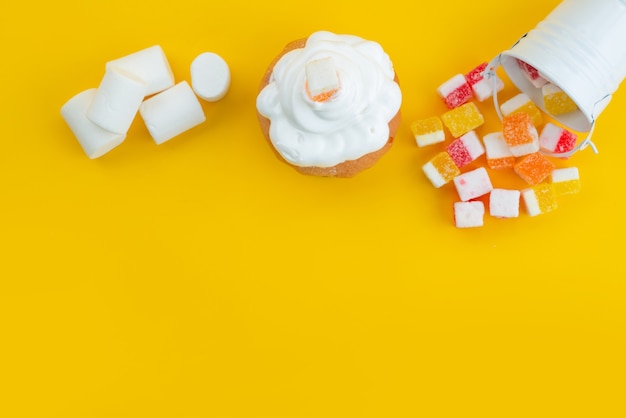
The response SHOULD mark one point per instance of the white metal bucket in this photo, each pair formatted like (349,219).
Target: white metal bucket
(581,47)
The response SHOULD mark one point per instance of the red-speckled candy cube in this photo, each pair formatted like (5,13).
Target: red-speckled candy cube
(532,74)
(482,86)
(534,168)
(463,119)
(465,149)
(440,169)
(455,91)
(556,139)
(473,184)
(520,134)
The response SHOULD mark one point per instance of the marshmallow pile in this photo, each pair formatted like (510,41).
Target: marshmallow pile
(525,144)
(143,83)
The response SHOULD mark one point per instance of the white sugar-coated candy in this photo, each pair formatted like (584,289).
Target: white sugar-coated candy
(150,65)
(495,146)
(473,184)
(94,140)
(116,101)
(504,203)
(210,76)
(469,214)
(171,112)
(321,76)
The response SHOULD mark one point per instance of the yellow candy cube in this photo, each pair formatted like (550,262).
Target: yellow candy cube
(463,119)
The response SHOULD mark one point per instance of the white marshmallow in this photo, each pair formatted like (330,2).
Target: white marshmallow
(149,65)
(504,203)
(116,101)
(321,76)
(171,112)
(94,140)
(469,214)
(210,76)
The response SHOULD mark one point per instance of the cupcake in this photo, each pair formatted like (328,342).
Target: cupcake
(329,105)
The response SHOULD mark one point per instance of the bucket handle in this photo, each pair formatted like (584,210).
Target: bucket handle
(490,73)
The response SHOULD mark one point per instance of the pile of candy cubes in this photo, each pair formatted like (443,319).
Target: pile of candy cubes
(527,143)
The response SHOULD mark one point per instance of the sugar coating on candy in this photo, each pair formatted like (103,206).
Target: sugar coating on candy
(322,80)
(463,119)
(520,134)
(469,214)
(428,131)
(565,181)
(556,139)
(532,74)
(521,103)
(498,153)
(440,169)
(482,86)
(534,168)
(504,203)
(539,199)
(465,149)
(473,184)
(556,101)
(455,91)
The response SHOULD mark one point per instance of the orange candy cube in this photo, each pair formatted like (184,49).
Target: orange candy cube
(520,134)
(534,168)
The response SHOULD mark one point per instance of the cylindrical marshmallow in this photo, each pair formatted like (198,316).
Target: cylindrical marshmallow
(117,101)
(94,140)
(210,76)
(172,112)
(149,65)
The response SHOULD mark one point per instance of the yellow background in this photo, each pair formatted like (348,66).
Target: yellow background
(205,278)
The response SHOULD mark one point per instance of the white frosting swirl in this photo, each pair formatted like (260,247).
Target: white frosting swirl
(354,122)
